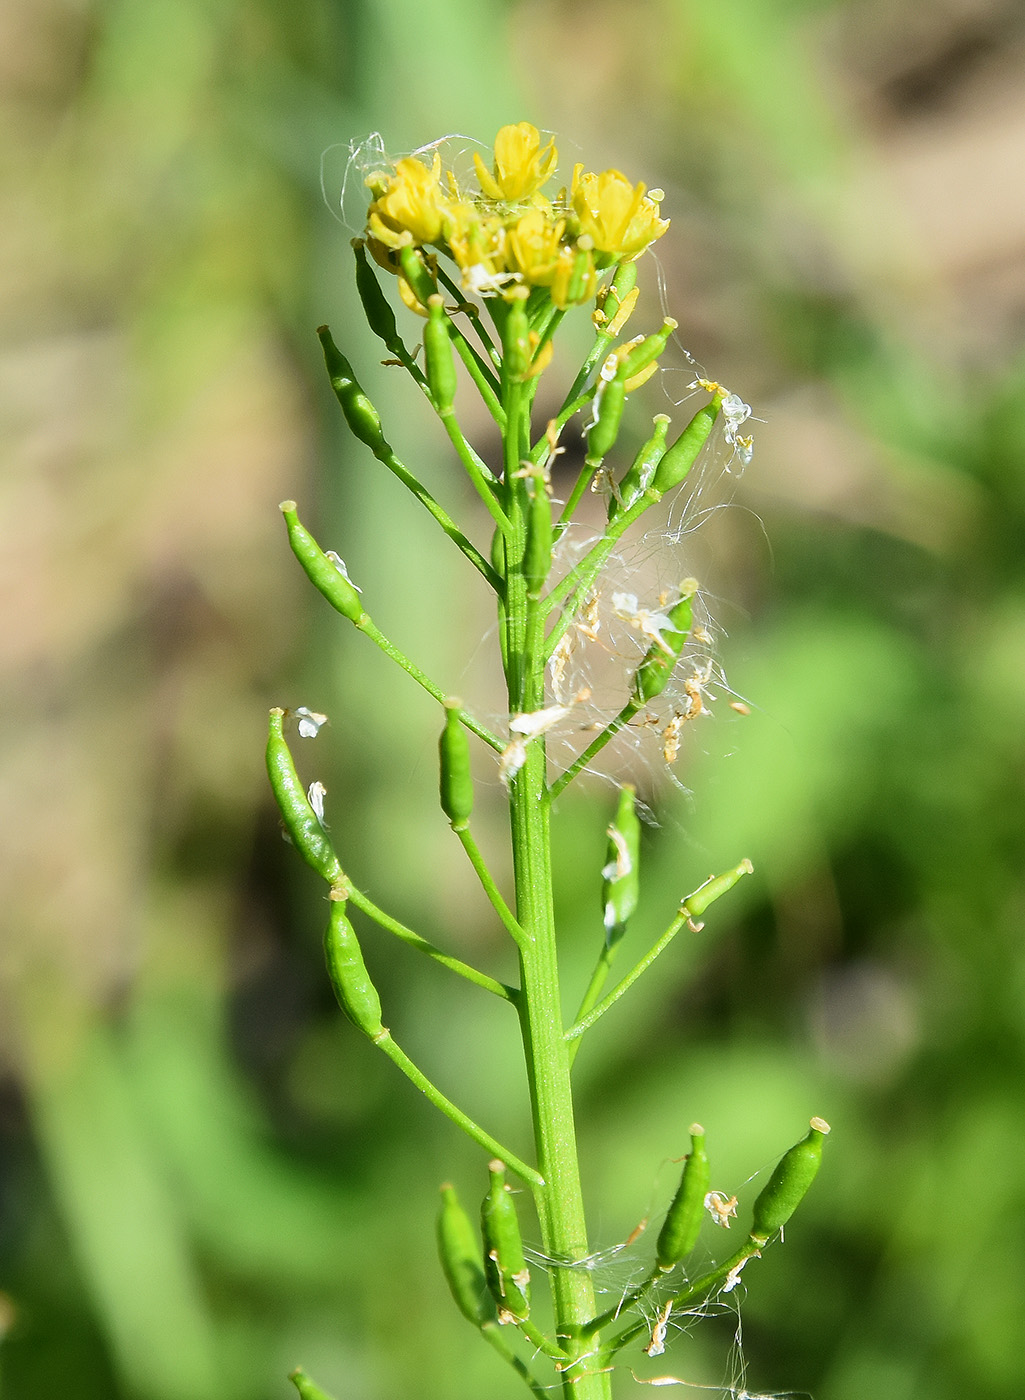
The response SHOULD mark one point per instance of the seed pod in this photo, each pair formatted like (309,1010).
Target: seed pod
(505,1267)
(654,671)
(648,350)
(326,577)
(301,822)
(679,1233)
(376,306)
(621,875)
(516,351)
(620,298)
(695,904)
(609,414)
(679,459)
(456,777)
(459,1251)
(416,275)
(537,557)
(788,1184)
(641,471)
(356,994)
(308,1390)
(360,413)
(438,358)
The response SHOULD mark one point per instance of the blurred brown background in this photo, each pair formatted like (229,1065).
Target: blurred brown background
(205,1178)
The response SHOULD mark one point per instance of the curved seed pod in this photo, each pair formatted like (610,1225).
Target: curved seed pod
(788,1184)
(456,777)
(301,822)
(654,671)
(679,1233)
(416,275)
(459,1251)
(376,306)
(537,558)
(438,357)
(649,349)
(516,351)
(621,875)
(679,459)
(326,577)
(360,413)
(505,1267)
(356,994)
(695,904)
(602,436)
(641,471)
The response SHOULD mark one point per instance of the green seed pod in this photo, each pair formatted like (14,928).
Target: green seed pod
(360,413)
(621,875)
(376,306)
(641,471)
(456,777)
(654,671)
(679,459)
(613,298)
(609,414)
(537,557)
(301,821)
(356,994)
(441,366)
(695,904)
(504,1264)
(789,1183)
(459,1251)
(682,1225)
(516,354)
(325,576)
(307,1389)
(414,270)
(649,349)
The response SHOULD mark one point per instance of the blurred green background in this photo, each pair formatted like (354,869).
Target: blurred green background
(206,1177)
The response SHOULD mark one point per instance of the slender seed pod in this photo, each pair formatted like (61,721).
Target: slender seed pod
(609,414)
(537,557)
(654,671)
(459,1251)
(301,821)
(621,875)
(456,777)
(789,1183)
(695,904)
(376,306)
(641,471)
(360,413)
(504,1264)
(682,455)
(649,349)
(356,994)
(418,279)
(438,357)
(326,577)
(516,352)
(679,1233)
(308,1390)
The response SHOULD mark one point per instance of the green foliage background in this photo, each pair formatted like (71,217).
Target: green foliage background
(206,1178)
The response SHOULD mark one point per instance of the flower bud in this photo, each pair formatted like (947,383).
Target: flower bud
(301,821)
(504,1264)
(789,1183)
(682,1225)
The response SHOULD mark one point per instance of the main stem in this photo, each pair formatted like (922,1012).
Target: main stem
(560,1201)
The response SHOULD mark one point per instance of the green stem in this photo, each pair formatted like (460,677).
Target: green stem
(594,748)
(586,1022)
(462,1120)
(414,940)
(488,885)
(484,482)
(492,1332)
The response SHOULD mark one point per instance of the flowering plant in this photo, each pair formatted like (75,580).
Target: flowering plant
(491,273)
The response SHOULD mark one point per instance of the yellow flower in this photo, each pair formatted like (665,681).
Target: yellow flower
(615,215)
(533,246)
(521,167)
(478,245)
(410,205)
(575,278)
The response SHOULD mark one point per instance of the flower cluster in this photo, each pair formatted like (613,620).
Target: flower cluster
(509,233)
